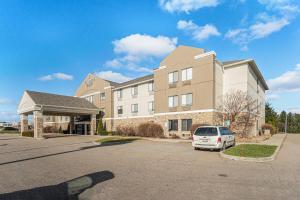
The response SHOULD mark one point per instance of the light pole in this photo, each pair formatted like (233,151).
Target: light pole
(285,125)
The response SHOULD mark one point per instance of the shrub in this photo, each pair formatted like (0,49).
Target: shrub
(269,127)
(100,128)
(195,126)
(150,129)
(28,134)
(126,130)
(50,129)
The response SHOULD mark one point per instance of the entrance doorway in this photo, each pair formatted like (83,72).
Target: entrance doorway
(82,129)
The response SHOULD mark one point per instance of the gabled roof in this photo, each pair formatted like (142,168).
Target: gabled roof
(47,99)
(252,64)
(229,62)
(135,81)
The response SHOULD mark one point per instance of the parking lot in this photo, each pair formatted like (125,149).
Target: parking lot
(141,170)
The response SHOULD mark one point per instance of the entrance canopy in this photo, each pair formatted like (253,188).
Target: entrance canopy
(53,104)
(40,104)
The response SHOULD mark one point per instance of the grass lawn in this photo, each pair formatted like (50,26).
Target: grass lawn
(9,132)
(116,139)
(251,150)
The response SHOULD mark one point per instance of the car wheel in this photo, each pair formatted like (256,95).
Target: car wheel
(233,143)
(223,147)
(196,148)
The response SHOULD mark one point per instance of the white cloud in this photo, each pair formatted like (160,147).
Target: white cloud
(186,5)
(60,76)
(294,110)
(4,101)
(135,49)
(261,29)
(270,96)
(8,116)
(198,32)
(264,29)
(145,45)
(280,14)
(287,82)
(113,76)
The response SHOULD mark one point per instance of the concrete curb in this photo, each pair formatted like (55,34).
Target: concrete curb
(265,159)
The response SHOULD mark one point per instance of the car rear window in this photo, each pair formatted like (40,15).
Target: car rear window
(206,131)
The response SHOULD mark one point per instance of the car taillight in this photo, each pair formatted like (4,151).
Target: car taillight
(219,140)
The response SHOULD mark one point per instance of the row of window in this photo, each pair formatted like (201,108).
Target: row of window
(186,100)
(135,108)
(91,97)
(186,74)
(186,124)
(134,90)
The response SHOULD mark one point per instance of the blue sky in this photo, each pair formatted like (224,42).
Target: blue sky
(52,45)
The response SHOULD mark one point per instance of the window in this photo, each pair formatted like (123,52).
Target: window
(187,99)
(186,124)
(173,101)
(120,110)
(134,108)
(173,125)
(187,74)
(134,90)
(150,87)
(173,77)
(90,98)
(119,94)
(206,131)
(151,106)
(102,96)
(224,131)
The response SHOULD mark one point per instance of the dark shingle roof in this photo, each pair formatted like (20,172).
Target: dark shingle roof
(134,81)
(232,62)
(42,98)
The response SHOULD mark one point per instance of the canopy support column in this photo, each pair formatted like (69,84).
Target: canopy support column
(24,123)
(93,124)
(38,124)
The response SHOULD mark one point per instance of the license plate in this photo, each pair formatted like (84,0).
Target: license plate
(204,140)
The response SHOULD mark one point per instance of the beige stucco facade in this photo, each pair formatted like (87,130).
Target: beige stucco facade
(200,84)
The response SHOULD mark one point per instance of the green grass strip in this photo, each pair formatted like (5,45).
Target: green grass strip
(251,150)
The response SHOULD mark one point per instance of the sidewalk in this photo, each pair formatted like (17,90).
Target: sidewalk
(276,139)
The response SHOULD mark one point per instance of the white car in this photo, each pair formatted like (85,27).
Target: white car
(213,137)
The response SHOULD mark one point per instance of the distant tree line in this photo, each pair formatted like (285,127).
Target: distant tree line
(278,120)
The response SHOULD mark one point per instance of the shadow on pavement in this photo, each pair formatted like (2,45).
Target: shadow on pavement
(66,190)
(64,152)
(44,147)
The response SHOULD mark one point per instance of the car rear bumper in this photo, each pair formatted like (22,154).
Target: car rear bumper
(206,146)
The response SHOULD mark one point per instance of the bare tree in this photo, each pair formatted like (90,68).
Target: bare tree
(241,110)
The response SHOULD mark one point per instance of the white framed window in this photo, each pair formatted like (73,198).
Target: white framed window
(102,96)
(173,77)
(173,101)
(187,99)
(134,90)
(173,125)
(150,87)
(119,94)
(120,110)
(151,106)
(134,108)
(186,124)
(187,74)
(90,98)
